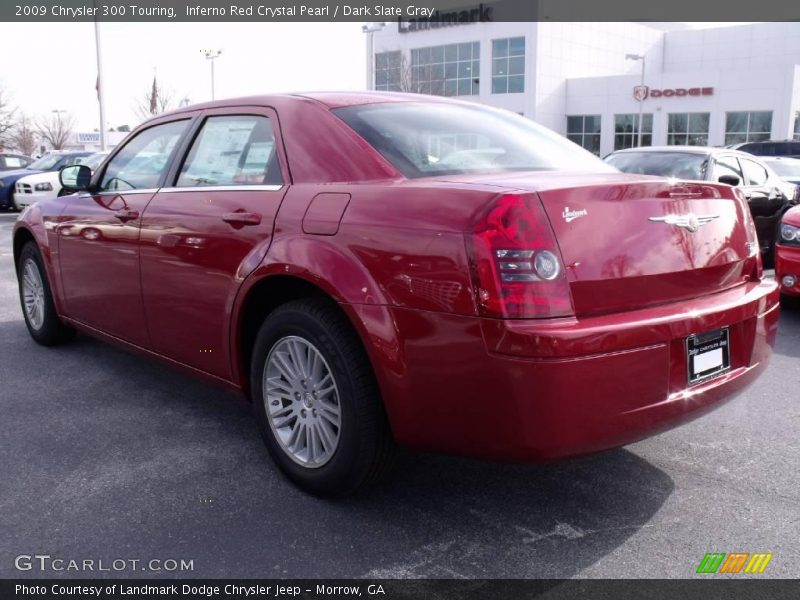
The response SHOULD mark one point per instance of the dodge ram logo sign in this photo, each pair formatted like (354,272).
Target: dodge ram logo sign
(640,92)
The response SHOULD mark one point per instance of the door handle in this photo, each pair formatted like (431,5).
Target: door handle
(242,218)
(126,214)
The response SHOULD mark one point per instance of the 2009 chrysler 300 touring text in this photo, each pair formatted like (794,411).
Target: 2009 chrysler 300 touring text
(380,269)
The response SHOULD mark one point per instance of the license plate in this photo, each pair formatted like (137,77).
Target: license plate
(707,355)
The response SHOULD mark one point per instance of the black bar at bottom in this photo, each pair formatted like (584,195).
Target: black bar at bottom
(713,588)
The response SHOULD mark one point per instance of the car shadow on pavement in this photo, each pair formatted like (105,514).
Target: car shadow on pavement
(108,455)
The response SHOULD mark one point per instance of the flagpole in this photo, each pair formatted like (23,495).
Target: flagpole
(100,87)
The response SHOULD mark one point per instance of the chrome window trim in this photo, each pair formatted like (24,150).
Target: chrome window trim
(127,192)
(221,188)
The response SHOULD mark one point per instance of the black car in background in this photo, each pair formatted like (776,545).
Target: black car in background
(770,148)
(768,195)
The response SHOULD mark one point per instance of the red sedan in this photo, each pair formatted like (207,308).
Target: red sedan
(787,255)
(380,269)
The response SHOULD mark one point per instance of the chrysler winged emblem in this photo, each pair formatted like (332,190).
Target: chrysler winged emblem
(690,221)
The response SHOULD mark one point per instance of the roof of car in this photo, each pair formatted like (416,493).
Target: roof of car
(329,99)
(706,150)
(779,159)
(758,142)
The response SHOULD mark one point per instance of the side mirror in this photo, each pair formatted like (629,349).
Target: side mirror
(729,179)
(75,178)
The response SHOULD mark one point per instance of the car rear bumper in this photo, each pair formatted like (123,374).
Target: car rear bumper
(787,262)
(539,390)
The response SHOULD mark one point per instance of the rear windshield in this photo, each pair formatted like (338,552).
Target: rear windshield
(47,162)
(787,167)
(426,139)
(94,160)
(681,165)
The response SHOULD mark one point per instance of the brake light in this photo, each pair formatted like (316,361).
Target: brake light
(517,267)
(755,263)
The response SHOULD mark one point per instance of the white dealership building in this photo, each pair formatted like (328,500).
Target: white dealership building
(714,86)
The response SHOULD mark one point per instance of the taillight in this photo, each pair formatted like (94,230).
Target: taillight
(517,268)
(756,265)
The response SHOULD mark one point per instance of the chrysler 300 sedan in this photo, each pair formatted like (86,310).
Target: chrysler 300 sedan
(374,270)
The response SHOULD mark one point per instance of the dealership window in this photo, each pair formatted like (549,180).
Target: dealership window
(388,71)
(508,66)
(451,70)
(626,130)
(688,129)
(584,130)
(752,126)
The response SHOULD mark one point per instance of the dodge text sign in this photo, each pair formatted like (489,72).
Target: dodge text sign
(640,92)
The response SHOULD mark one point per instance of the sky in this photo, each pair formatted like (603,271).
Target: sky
(51,66)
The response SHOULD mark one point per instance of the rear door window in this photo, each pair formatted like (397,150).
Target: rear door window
(754,173)
(727,165)
(14,162)
(232,150)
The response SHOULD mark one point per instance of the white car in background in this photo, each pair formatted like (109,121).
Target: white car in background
(41,186)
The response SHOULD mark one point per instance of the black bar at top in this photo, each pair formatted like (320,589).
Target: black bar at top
(414,11)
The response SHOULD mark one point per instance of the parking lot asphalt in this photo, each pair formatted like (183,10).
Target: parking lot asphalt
(105,456)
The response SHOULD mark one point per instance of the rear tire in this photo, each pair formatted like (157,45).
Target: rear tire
(317,401)
(36,298)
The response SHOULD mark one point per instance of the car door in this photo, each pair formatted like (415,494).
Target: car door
(757,198)
(766,200)
(98,234)
(199,232)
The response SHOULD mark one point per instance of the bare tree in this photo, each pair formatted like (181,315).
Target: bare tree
(6,116)
(56,129)
(155,101)
(23,136)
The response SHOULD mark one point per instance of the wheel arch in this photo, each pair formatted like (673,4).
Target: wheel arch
(22,236)
(269,292)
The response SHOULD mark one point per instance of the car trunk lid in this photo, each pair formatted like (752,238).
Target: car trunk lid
(629,242)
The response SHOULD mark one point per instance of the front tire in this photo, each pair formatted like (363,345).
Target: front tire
(36,299)
(316,400)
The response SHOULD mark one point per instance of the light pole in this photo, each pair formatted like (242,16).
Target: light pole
(99,85)
(212,55)
(369,29)
(641,101)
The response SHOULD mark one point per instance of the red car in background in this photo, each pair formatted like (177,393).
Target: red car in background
(787,257)
(375,269)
